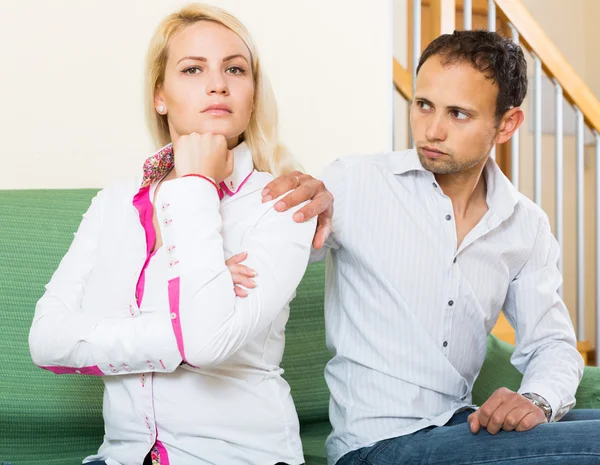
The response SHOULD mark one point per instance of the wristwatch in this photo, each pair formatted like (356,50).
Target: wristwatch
(540,402)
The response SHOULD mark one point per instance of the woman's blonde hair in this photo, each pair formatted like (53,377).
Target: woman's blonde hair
(262,133)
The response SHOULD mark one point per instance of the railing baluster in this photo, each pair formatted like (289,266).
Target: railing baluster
(514,141)
(580,225)
(597,248)
(416,48)
(468,15)
(559,174)
(491,25)
(537,123)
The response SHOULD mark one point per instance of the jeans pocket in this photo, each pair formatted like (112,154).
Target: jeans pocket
(370,454)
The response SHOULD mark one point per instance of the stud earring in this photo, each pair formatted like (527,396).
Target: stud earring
(161,109)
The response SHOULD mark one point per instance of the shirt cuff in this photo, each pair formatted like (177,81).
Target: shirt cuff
(559,408)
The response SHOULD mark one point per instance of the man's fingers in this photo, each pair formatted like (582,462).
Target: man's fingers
(513,419)
(304,192)
(281,185)
(312,209)
(486,411)
(473,421)
(498,418)
(534,418)
(323,231)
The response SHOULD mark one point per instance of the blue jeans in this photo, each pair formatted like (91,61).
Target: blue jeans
(575,440)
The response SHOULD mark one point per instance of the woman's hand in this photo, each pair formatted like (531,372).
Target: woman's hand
(241,274)
(204,154)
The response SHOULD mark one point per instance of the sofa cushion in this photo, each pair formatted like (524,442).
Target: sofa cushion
(39,411)
(305,353)
(313,441)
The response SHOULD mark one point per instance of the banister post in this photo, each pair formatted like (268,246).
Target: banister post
(443,16)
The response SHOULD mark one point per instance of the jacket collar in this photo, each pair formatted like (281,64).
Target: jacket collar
(162,161)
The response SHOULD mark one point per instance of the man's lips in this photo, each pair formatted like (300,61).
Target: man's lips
(432,153)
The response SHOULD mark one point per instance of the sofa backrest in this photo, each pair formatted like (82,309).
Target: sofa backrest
(36,229)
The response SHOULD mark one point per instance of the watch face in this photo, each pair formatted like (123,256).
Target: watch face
(540,402)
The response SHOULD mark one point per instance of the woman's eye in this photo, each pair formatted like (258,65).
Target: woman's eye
(235,70)
(192,70)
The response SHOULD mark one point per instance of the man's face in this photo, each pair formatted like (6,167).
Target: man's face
(453,116)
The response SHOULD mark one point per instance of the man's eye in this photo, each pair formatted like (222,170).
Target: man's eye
(459,115)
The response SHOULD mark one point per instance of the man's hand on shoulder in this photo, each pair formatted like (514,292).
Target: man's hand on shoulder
(506,410)
(305,187)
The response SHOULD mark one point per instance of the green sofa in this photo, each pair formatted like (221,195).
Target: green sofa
(57,420)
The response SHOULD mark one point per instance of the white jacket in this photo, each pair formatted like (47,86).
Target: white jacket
(115,310)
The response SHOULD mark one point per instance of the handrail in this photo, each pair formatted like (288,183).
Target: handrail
(402,80)
(536,41)
(554,63)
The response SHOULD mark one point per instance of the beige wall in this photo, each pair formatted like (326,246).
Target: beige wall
(72,74)
(572,26)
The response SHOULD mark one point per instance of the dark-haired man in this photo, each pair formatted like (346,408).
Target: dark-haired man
(427,246)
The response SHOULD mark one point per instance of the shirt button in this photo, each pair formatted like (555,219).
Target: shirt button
(173,316)
(451,302)
(445,344)
(434,185)
(448,217)
(454,261)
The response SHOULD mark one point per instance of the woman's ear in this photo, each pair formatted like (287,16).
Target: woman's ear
(159,102)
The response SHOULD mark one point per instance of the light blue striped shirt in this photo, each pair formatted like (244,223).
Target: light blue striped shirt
(408,314)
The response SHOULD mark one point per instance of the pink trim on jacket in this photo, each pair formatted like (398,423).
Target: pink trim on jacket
(141,201)
(92,370)
(174,288)
(162,451)
(229,192)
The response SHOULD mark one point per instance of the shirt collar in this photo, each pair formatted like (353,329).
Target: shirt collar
(406,161)
(501,197)
(162,161)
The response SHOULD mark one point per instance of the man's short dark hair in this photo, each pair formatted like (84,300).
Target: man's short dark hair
(497,57)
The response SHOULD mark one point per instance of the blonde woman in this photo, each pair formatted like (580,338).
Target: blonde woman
(144,298)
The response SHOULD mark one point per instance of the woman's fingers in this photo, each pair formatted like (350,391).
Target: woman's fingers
(239,258)
(240,292)
(243,270)
(241,280)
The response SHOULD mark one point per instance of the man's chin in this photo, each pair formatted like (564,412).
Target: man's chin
(436,166)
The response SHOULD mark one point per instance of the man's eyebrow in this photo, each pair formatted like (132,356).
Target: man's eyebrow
(469,111)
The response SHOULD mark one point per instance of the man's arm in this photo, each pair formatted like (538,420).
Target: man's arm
(546,350)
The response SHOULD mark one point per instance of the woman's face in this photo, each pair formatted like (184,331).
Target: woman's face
(208,85)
